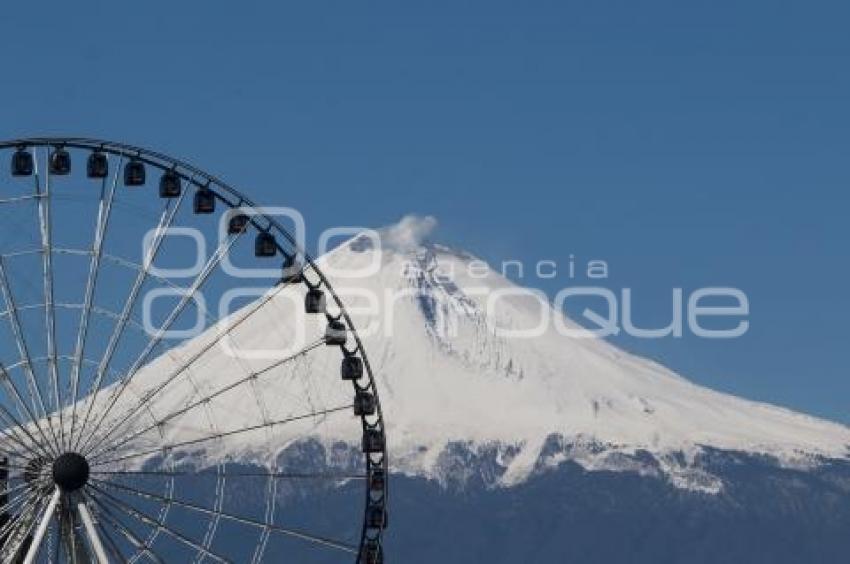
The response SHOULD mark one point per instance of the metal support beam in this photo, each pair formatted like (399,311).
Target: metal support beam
(91,531)
(32,554)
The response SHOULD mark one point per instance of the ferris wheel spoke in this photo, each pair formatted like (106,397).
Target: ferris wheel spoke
(225,434)
(30,451)
(16,455)
(136,267)
(186,409)
(305,536)
(104,257)
(131,537)
(9,491)
(11,389)
(36,398)
(183,368)
(14,532)
(41,530)
(11,435)
(92,533)
(237,474)
(153,522)
(25,498)
(103,215)
(22,499)
(114,549)
(302,535)
(165,222)
(46,225)
(111,544)
(68,531)
(34,447)
(210,266)
(13,423)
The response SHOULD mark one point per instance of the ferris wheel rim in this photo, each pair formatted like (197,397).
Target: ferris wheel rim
(234,198)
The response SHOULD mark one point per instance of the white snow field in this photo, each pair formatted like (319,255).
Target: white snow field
(445,375)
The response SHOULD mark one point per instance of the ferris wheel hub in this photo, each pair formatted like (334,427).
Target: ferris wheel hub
(70,471)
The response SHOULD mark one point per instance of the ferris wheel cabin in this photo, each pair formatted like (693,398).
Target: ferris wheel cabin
(60,162)
(169,185)
(293,270)
(22,163)
(352,368)
(134,173)
(314,301)
(204,201)
(97,165)
(238,223)
(265,245)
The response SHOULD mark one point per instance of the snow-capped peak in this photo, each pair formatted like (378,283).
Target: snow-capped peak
(450,374)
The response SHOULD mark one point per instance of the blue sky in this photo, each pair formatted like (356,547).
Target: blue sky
(687,145)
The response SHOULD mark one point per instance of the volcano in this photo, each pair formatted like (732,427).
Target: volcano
(542,448)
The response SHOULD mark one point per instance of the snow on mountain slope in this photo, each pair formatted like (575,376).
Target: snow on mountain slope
(446,377)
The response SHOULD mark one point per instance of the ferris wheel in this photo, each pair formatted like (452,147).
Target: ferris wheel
(174,370)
